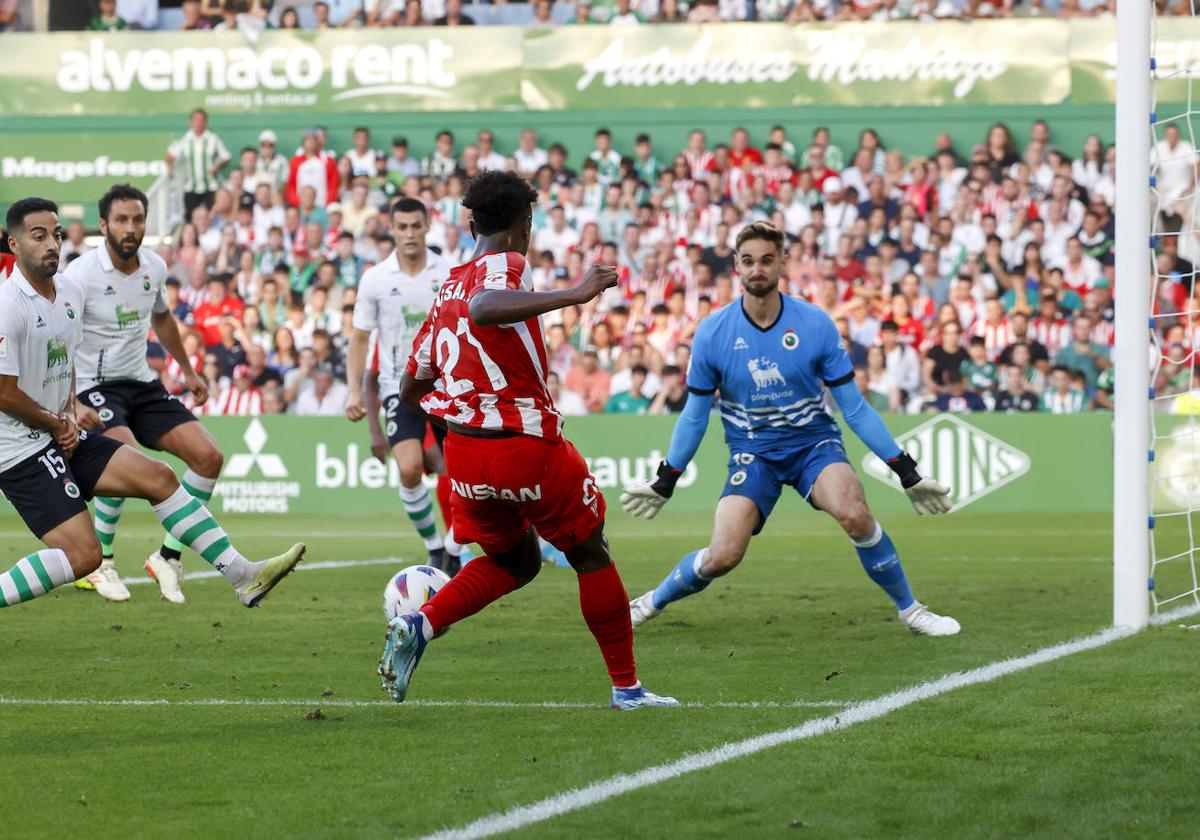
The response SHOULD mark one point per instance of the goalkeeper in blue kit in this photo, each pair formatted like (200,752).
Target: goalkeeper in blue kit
(771,356)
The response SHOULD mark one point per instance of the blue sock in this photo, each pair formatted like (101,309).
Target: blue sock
(684,580)
(882,564)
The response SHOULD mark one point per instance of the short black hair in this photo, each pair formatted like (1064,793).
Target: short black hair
(410,205)
(15,219)
(977,341)
(498,200)
(603,132)
(363,129)
(122,192)
(643,138)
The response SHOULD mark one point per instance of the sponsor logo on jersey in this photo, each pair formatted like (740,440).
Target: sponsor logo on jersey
(127,316)
(56,352)
(40,323)
(488,491)
(740,344)
(765,373)
(790,340)
(109,290)
(952,452)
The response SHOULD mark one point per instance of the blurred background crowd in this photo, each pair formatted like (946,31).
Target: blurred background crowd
(961,279)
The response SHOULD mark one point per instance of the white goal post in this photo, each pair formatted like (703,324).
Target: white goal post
(1132,437)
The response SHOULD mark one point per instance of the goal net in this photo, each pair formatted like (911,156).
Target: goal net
(1174,305)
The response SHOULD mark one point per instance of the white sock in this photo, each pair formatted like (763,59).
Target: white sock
(453,546)
(189,521)
(418,504)
(34,575)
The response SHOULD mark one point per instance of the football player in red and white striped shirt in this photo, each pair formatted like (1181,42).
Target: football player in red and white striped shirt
(479,365)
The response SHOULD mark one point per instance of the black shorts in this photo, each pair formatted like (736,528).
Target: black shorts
(402,422)
(47,489)
(145,407)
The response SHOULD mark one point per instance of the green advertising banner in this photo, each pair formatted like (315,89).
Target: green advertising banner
(1093,51)
(1020,463)
(226,72)
(757,65)
(1020,62)
(78,167)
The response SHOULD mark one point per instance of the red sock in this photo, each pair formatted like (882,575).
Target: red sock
(443,494)
(480,582)
(605,608)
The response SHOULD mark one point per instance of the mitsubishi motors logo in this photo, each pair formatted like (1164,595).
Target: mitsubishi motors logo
(951,451)
(269,464)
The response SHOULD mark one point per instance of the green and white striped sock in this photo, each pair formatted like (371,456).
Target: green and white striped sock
(35,575)
(200,488)
(418,504)
(107,512)
(188,520)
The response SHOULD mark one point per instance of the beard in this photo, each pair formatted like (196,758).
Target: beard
(760,287)
(126,248)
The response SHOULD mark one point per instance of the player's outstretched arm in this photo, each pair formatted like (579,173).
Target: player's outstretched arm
(926,495)
(646,498)
(511,306)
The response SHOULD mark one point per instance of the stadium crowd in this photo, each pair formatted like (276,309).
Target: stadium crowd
(961,280)
(112,15)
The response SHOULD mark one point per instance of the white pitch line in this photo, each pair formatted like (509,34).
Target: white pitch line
(303,567)
(597,792)
(370,704)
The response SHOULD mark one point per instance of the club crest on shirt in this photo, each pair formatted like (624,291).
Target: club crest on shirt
(146,285)
(765,372)
(3,347)
(790,340)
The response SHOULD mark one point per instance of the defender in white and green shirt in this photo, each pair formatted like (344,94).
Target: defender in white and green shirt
(123,290)
(394,298)
(48,467)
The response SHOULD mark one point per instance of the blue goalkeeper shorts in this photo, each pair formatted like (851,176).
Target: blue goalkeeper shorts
(761,479)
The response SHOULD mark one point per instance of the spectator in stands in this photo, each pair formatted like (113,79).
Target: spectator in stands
(312,168)
(454,16)
(590,381)
(1082,354)
(633,400)
(326,397)
(1016,395)
(1062,397)
(955,398)
(106,18)
(202,155)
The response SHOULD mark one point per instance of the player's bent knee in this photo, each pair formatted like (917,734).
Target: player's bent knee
(721,561)
(857,522)
(160,481)
(84,557)
(209,463)
(411,476)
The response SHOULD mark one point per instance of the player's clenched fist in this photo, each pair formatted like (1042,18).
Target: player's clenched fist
(597,279)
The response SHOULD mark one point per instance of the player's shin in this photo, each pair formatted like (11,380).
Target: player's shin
(882,565)
(480,582)
(199,487)
(605,607)
(107,514)
(188,520)
(35,575)
(684,580)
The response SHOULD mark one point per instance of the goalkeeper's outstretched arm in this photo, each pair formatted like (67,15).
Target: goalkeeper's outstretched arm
(926,495)
(646,498)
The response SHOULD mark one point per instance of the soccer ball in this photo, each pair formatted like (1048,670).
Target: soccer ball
(410,588)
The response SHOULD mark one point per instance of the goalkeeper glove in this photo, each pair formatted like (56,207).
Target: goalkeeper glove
(645,499)
(926,495)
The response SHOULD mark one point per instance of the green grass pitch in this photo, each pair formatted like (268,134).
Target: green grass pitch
(1101,744)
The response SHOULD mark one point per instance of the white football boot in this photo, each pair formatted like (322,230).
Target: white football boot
(924,622)
(169,574)
(107,582)
(641,609)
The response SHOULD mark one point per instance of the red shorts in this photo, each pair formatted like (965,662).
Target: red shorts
(500,486)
